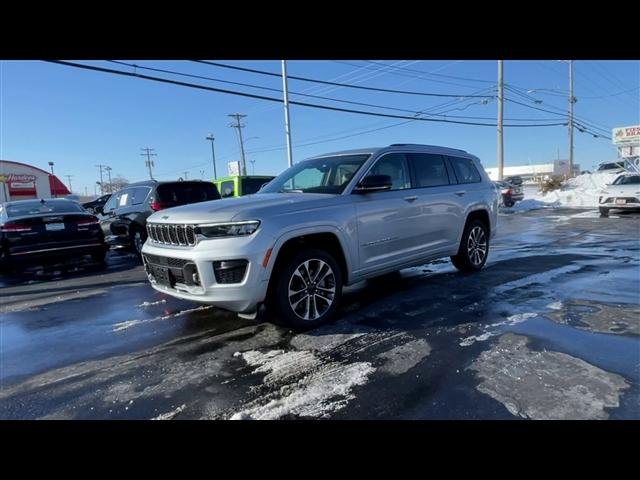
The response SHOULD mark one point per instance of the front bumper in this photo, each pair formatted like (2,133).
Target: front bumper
(242,297)
(613,203)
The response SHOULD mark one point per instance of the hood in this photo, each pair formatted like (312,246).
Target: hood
(240,208)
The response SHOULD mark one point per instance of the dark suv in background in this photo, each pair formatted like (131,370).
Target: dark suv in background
(125,215)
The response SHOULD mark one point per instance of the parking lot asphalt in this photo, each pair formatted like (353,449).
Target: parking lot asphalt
(550,329)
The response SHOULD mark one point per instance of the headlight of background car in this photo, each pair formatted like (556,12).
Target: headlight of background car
(231,229)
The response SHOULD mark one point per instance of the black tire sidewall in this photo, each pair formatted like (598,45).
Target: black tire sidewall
(462,260)
(284,310)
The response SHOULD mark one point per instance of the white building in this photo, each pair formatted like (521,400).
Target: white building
(534,173)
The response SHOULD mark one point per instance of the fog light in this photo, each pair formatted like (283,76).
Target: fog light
(230,271)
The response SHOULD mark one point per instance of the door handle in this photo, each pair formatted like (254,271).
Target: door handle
(410,198)
(460,193)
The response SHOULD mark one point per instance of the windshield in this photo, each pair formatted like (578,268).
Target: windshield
(627,180)
(319,175)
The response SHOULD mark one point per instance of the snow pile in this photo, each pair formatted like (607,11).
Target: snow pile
(580,191)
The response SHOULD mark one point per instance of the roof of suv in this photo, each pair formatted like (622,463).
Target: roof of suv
(408,146)
(155,183)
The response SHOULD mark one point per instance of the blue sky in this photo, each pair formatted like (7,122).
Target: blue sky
(79,119)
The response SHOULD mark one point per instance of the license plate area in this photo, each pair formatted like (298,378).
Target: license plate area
(621,201)
(54,227)
(162,275)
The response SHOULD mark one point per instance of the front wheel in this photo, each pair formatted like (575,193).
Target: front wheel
(137,239)
(308,289)
(474,248)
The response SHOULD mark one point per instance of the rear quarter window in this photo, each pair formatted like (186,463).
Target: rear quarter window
(183,193)
(465,170)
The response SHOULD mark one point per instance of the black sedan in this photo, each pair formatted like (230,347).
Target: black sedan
(35,231)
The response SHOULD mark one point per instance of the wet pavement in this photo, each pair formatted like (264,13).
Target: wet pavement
(549,329)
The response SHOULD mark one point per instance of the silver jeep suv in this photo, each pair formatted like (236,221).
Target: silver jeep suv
(326,222)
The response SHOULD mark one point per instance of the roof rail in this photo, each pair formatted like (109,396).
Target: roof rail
(424,145)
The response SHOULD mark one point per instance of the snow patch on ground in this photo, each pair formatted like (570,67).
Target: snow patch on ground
(171,414)
(130,323)
(512,320)
(149,304)
(322,388)
(555,306)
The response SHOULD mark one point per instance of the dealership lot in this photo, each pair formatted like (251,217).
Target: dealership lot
(550,329)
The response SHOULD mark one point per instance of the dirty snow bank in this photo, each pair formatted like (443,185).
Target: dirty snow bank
(580,191)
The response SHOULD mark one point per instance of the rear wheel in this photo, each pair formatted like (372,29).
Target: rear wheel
(474,247)
(508,203)
(308,289)
(604,212)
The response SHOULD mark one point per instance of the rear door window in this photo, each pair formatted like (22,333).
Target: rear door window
(125,198)
(429,170)
(465,170)
(140,195)
(183,193)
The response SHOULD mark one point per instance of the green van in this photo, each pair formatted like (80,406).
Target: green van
(237,185)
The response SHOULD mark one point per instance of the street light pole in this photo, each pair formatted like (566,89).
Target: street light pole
(53,181)
(211,138)
(500,119)
(287,122)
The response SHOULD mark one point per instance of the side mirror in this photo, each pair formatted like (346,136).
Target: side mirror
(373,183)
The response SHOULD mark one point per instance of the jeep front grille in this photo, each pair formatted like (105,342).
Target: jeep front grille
(172,234)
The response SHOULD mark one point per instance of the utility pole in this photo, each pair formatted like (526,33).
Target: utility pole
(237,125)
(108,169)
(69,180)
(287,122)
(185,175)
(148,162)
(500,119)
(213,155)
(86,194)
(572,100)
(101,182)
(253,166)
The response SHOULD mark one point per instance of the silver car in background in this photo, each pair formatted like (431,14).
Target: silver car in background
(326,222)
(622,194)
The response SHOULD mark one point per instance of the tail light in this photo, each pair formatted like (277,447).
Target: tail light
(85,222)
(155,206)
(506,191)
(15,227)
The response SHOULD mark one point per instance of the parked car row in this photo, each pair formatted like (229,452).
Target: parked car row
(622,194)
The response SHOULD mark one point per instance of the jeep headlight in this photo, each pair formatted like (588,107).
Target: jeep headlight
(229,229)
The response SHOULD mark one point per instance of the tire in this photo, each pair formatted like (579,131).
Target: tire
(509,203)
(471,257)
(138,238)
(604,212)
(317,300)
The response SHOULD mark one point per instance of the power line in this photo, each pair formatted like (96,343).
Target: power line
(303,104)
(435,74)
(400,70)
(173,72)
(325,82)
